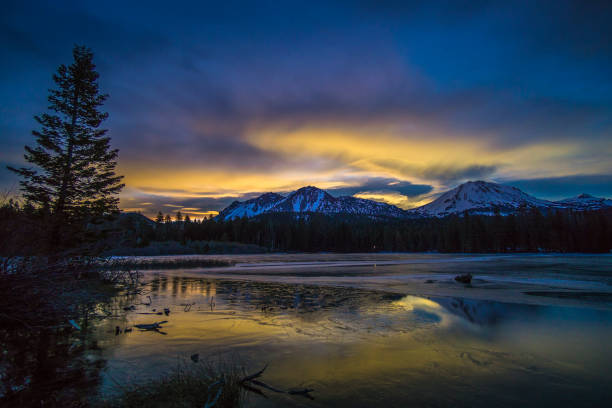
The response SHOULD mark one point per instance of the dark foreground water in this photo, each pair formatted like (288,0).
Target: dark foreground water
(361,348)
(356,335)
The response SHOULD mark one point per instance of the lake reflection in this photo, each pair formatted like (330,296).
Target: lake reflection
(360,348)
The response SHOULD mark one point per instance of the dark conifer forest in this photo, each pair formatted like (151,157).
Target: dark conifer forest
(529,231)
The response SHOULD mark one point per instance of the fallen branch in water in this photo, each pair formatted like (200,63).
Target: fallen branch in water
(257,391)
(301,391)
(266,386)
(250,381)
(152,327)
(253,376)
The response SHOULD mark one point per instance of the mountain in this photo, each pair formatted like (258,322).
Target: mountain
(306,199)
(475,197)
(309,199)
(585,202)
(481,197)
(252,207)
(312,199)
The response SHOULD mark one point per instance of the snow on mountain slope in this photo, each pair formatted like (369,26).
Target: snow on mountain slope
(354,205)
(309,199)
(585,202)
(306,199)
(252,207)
(480,197)
(476,197)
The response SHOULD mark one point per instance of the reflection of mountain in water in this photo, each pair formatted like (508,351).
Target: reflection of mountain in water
(271,296)
(357,306)
(484,312)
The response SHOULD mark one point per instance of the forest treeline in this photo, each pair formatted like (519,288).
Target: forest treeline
(528,231)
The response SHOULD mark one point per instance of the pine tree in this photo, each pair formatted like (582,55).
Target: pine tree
(159,218)
(75,166)
(168,219)
(179,216)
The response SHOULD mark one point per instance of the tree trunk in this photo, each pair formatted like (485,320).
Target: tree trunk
(58,216)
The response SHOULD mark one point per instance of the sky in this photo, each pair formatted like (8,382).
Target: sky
(396,101)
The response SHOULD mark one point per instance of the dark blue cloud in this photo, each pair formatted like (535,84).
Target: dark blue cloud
(382,185)
(151,204)
(444,174)
(555,188)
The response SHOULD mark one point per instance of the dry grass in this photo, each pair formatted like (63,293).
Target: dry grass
(202,384)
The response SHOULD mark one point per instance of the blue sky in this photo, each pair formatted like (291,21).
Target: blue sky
(397,101)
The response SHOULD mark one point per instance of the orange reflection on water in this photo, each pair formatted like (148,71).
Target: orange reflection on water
(360,347)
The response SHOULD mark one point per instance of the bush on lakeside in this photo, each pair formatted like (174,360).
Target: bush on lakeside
(48,307)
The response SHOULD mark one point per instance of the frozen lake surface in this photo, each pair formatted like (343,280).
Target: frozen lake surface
(368,330)
(534,279)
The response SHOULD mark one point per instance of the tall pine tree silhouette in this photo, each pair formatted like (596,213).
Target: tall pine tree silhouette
(74,177)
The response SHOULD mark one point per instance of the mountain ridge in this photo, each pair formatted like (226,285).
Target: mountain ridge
(476,197)
(309,199)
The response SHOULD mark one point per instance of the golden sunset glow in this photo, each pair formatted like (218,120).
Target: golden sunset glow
(266,114)
(306,204)
(340,156)
(386,150)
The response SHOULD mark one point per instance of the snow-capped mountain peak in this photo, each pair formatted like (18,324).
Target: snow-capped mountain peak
(480,197)
(251,208)
(309,200)
(306,199)
(475,197)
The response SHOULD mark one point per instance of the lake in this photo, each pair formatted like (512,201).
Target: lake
(361,330)
(367,330)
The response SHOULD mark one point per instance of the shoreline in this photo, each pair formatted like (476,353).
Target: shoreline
(495,277)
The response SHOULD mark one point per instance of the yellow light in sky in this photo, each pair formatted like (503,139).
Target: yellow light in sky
(353,153)
(388,151)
